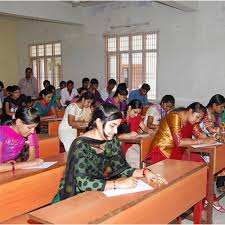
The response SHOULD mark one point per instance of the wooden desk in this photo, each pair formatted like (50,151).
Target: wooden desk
(50,126)
(187,186)
(29,189)
(144,143)
(215,165)
(48,145)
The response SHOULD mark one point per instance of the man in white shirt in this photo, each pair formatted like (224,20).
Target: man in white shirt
(68,93)
(108,92)
(28,85)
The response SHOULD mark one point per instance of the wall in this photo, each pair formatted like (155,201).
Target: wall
(8,56)
(31,32)
(191,45)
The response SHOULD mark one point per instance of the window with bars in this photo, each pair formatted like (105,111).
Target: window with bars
(132,59)
(46,61)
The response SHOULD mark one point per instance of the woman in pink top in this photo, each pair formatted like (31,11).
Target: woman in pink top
(18,142)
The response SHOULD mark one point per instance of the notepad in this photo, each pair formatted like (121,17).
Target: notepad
(141,186)
(206,145)
(44,165)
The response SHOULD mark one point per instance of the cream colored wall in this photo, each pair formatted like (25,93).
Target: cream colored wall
(8,55)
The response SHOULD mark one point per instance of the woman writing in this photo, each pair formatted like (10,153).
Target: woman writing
(175,135)
(20,141)
(136,125)
(95,161)
(119,99)
(10,105)
(156,112)
(44,106)
(76,114)
(210,125)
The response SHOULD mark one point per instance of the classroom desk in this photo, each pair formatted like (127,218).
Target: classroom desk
(144,143)
(186,187)
(48,145)
(216,164)
(29,189)
(50,126)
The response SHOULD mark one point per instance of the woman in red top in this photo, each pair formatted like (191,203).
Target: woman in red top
(136,124)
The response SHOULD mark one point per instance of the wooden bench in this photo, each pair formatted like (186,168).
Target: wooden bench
(21,219)
(48,145)
(29,189)
(60,114)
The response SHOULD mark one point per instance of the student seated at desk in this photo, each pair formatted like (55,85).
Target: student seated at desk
(119,99)
(210,126)
(156,112)
(44,106)
(175,135)
(10,105)
(95,160)
(135,123)
(54,101)
(74,114)
(19,142)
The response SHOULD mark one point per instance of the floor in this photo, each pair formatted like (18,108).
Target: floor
(218,217)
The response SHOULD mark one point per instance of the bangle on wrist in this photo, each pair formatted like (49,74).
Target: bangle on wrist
(13,168)
(146,168)
(114,185)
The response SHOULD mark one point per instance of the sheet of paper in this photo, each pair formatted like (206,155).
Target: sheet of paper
(142,135)
(44,165)
(141,186)
(206,145)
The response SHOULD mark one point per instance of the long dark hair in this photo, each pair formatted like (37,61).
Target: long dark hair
(45,92)
(87,96)
(167,98)
(216,99)
(196,107)
(27,115)
(105,112)
(135,104)
(120,91)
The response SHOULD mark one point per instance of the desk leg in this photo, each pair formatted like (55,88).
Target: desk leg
(210,188)
(197,212)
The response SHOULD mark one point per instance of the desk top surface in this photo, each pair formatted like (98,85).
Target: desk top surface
(92,207)
(7,177)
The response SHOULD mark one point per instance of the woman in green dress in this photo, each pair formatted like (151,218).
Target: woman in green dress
(95,160)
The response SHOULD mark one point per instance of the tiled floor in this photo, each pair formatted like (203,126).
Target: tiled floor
(218,218)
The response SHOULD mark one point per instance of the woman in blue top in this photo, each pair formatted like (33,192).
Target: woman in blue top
(44,106)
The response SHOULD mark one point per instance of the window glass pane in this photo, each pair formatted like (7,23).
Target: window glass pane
(124,43)
(112,67)
(33,51)
(124,68)
(49,68)
(57,70)
(42,72)
(151,41)
(137,42)
(34,66)
(151,62)
(111,44)
(41,50)
(57,47)
(48,49)
(136,70)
